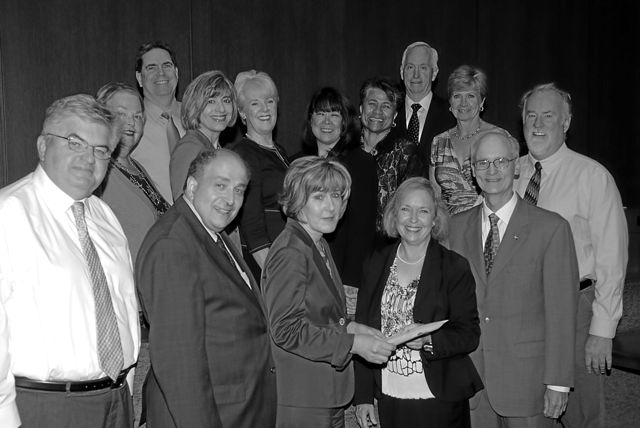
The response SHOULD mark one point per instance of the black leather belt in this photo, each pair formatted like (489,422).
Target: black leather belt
(83,386)
(585,283)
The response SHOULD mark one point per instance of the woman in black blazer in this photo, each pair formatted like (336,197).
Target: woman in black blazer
(413,281)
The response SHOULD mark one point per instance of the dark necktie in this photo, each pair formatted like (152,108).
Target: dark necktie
(107,334)
(533,188)
(492,243)
(173,135)
(413,130)
(225,251)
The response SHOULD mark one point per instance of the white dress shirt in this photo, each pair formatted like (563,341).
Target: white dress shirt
(504,214)
(585,194)
(47,316)
(425,103)
(153,150)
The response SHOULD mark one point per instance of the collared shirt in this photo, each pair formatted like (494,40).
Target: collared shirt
(153,151)
(425,103)
(504,214)
(585,194)
(47,315)
(214,236)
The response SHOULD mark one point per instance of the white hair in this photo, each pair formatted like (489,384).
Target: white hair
(432,51)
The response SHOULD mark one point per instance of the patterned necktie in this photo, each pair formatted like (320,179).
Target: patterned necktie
(107,334)
(414,124)
(533,188)
(173,135)
(492,243)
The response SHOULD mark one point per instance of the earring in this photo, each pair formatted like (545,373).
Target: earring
(481,108)
(451,109)
(393,124)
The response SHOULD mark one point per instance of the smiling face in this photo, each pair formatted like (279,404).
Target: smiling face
(377,112)
(159,75)
(218,193)
(260,108)
(326,127)
(78,174)
(128,111)
(545,122)
(216,115)
(496,184)
(415,216)
(465,105)
(321,213)
(418,73)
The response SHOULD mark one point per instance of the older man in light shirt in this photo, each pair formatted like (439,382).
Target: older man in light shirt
(585,194)
(69,331)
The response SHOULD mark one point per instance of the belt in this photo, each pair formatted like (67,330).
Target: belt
(585,283)
(82,386)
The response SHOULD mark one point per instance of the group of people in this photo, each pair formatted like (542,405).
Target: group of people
(408,256)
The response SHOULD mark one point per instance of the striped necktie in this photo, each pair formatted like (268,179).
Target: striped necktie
(414,124)
(492,243)
(107,334)
(533,188)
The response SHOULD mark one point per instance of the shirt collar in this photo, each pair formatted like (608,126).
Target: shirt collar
(425,102)
(212,233)
(553,161)
(154,111)
(504,213)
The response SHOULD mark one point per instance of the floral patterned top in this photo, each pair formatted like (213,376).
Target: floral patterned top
(403,376)
(458,188)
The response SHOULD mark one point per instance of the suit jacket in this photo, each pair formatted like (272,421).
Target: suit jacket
(446,291)
(527,306)
(438,120)
(307,313)
(209,344)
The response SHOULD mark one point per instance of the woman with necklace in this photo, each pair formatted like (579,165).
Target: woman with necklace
(450,163)
(396,157)
(260,220)
(127,187)
(208,108)
(414,281)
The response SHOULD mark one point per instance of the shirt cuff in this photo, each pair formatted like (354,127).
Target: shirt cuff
(558,388)
(9,417)
(603,327)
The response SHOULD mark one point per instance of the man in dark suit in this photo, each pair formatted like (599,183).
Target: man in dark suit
(430,116)
(211,362)
(526,286)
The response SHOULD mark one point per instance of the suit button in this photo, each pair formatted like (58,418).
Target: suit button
(341,321)
(486,319)
(272,369)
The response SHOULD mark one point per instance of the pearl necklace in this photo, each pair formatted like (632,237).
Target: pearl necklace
(456,133)
(406,262)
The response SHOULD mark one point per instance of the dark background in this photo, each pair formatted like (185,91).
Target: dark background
(50,49)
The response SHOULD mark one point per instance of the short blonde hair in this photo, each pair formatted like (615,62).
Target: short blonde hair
(313,174)
(440,228)
(252,75)
(467,77)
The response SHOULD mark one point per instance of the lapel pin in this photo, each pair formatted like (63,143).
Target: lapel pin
(515,237)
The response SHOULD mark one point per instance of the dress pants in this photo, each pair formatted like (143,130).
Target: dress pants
(586,402)
(311,417)
(484,416)
(105,408)
(403,413)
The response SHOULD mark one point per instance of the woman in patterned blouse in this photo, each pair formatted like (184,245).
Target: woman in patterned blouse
(127,187)
(396,157)
(410,282)
(450,163)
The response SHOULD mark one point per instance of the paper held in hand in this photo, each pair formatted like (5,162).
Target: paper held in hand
(420,330)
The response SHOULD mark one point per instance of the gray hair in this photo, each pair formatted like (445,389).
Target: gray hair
(433,55)
(514,146)
(252,75)
(566,97)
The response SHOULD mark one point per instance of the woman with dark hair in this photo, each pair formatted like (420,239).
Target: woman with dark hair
(313,341)
(396,157)
(208,108)
(331,131)
(412,281)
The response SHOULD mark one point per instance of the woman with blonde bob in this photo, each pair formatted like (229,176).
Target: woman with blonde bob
(411,282)
(305,301)
(208,108)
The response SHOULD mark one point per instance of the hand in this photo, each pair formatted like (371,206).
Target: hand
(366,416)
(555,403)
(417,343)
(597,354)
(371,348)
(357,328)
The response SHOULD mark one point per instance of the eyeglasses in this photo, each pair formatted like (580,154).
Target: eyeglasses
(78,145)
(499,163)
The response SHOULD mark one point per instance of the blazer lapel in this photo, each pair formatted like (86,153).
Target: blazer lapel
(379,274)
(514,236)
(430,279)
(473,240)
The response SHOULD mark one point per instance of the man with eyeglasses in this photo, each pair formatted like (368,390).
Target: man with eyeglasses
(157,75)
(69,332)
(524,263)
(582,191)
